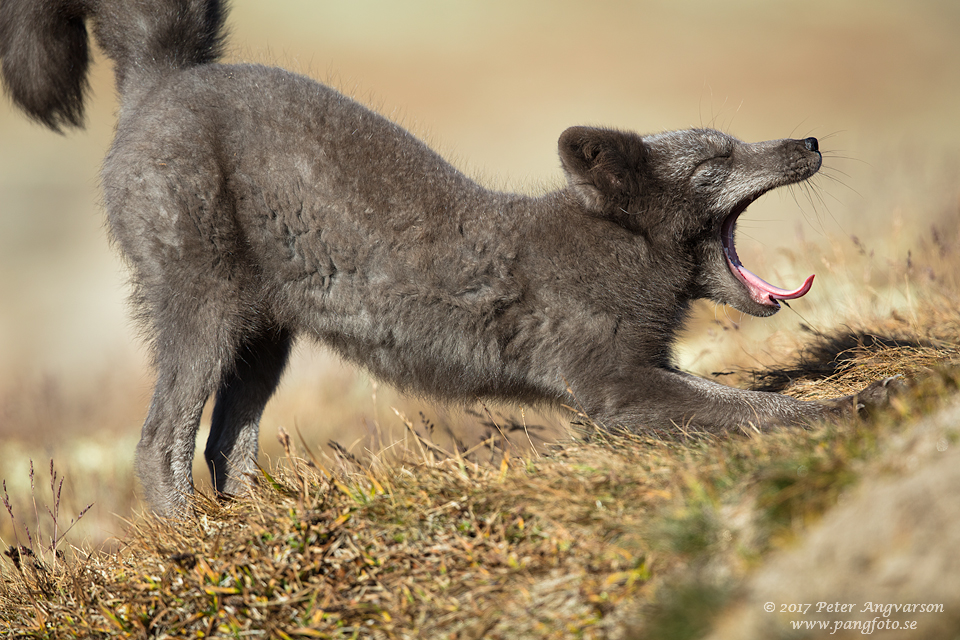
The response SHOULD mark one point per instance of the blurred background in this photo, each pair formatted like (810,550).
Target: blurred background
(492,85)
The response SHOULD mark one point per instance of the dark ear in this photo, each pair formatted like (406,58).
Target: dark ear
(603,166)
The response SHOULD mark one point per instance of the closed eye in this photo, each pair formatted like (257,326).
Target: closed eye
(723,156)
(710,165)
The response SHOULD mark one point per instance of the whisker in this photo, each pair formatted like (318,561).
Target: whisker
(799,124)
(835,155)
(840,182)
(832,134)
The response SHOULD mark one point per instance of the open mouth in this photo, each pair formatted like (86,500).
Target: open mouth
(761,291)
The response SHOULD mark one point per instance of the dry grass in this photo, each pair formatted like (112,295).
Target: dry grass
(595,536)
(598,535)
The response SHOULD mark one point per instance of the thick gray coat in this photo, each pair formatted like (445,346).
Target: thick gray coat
(255,205)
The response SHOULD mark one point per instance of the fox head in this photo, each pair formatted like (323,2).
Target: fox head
(683,191)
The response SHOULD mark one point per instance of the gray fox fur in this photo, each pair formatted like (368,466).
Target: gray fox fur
(254,205)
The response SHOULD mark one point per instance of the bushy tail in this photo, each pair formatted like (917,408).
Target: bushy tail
(45,52)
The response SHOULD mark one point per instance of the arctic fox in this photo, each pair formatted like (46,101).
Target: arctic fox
(254,206)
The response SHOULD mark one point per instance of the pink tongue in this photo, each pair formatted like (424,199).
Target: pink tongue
(761,291)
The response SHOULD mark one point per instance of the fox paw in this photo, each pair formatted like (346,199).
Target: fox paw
(875,396)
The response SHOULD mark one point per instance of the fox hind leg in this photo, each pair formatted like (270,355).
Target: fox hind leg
(245,388)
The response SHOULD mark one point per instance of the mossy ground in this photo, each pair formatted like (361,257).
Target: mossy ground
(598,536)
(594,535)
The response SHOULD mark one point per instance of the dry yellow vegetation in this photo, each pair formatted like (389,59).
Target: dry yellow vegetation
(598,535)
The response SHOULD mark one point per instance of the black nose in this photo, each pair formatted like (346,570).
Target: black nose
(811,144)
